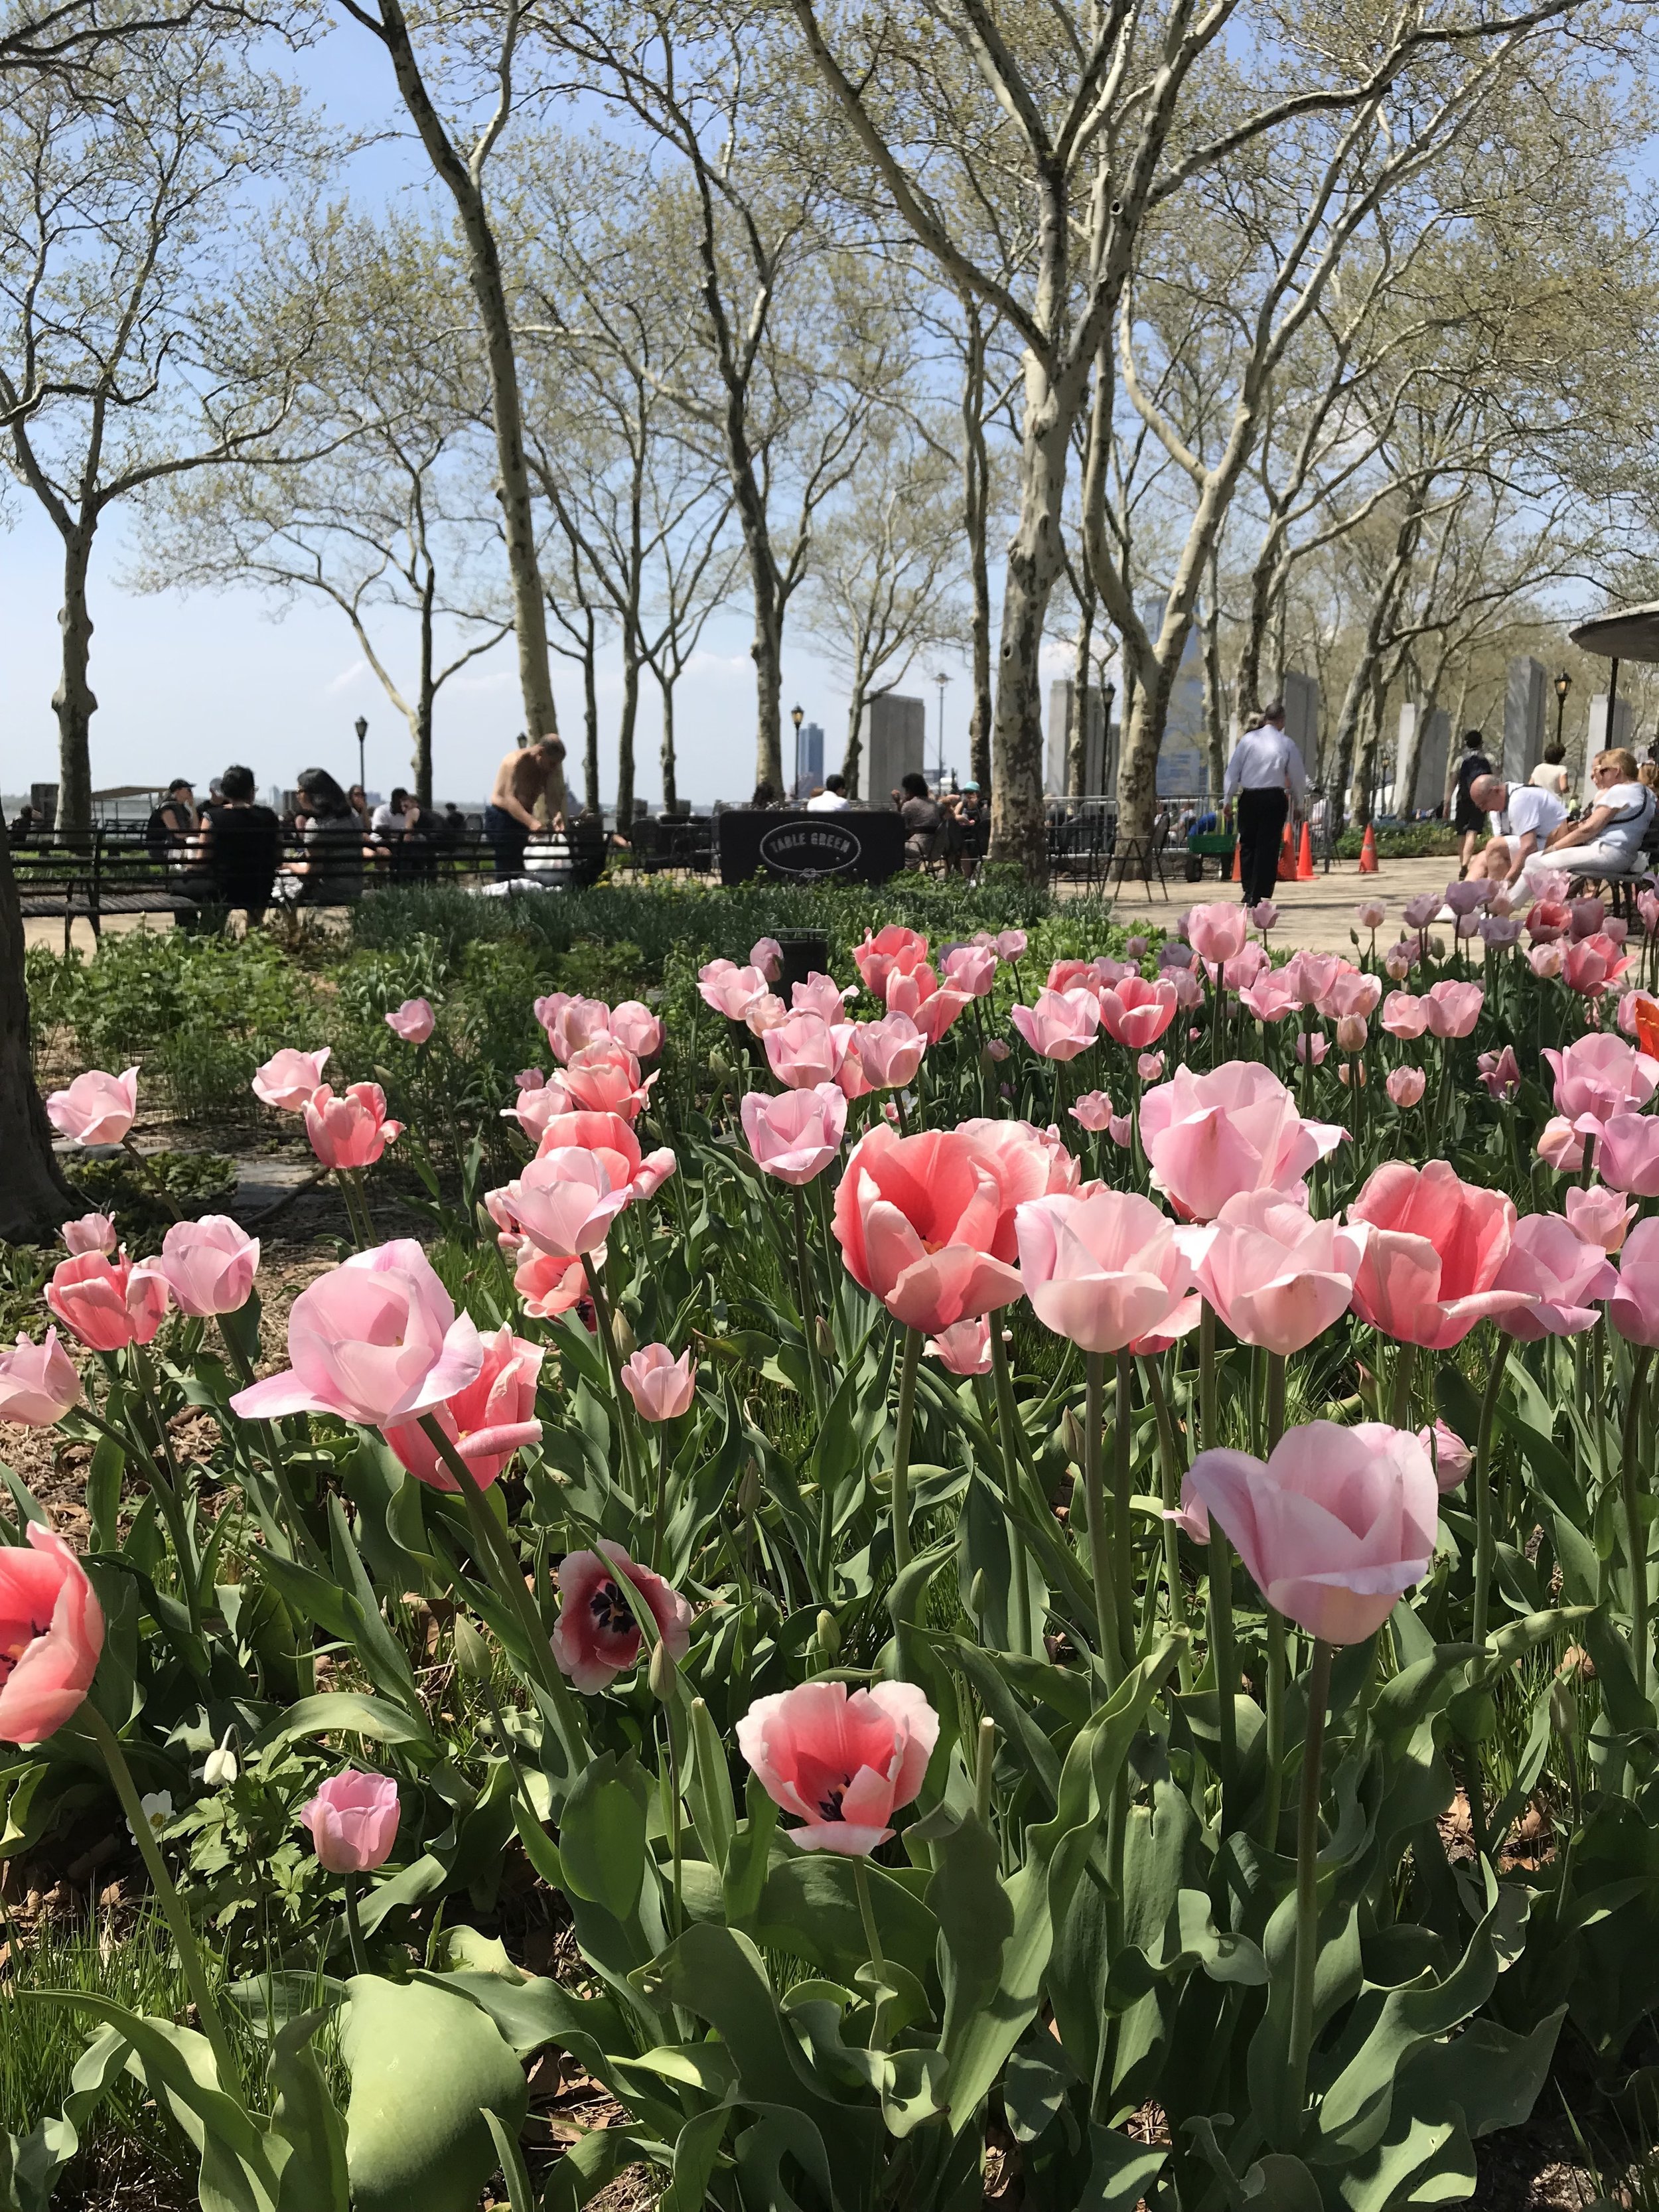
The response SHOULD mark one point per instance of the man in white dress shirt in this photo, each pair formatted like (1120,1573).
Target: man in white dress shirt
(1264,775)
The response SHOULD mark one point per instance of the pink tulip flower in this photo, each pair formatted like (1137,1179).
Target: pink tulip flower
(1092,1111)
(917,1219)
(52,1630)
(1633,1309)
(1351,1035)
(1566,1276)
(1434,1251)
(1273,997)
(768,1013)
(1599,1215)
(729,989)
(766,954)
(1247,965)
(1450,1456)
(1314,1048)
(661,1387)
(96,1108)
(1068,975)
(566,1201)
(109,1303)
(208,1265)
(1208,1137)
(537,1104)
(964,1348)
(1561,1145)
(1586,916)
(548,1286)
(93,1232)
(1500,1074)
(1263,915)
(1400,959)
(1061,1024)
(1026,1163)
(1149,1066)
(1499,931)
(1547,961)
(1010,944)
(794,1135)
(1217,932)
(1371,913)
(1276,1277)
(636,1029)
(376,1341)
(1136,1014)
(1592,964)
(842,1762)
(891,948)
(937,1012)
(971,969)
(1600,1075)
(573,1023)
(490,1419)
(1404,1016)
(1311,975)
(616,1145)
(289,1078)
(804,1051)
(604,1077)
(353,1821)
(890,1051)
(1464,897)
(1351,993)
(1422,912)
(820,995)
(1453,1009)
(351,1131)
(1405,1086)
(1336,1526)
(1628,1154)
(1101,1269)
(596,1636)
(39,1383)
(414,1021)
(1548,919)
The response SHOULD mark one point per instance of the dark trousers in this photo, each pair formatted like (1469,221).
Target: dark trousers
(1261,819)
(509,837)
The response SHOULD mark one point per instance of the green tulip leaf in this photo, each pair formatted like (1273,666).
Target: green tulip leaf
(426,2065)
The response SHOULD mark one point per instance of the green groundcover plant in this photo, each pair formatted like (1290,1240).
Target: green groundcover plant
(1004,1526)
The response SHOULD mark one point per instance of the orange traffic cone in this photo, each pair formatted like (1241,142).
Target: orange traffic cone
(1304,857)
(1232,870)
(1287,858)
(1368,853)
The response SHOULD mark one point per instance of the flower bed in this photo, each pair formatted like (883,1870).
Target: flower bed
(1038,1564)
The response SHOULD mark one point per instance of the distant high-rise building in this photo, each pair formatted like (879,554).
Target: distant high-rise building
(812,759)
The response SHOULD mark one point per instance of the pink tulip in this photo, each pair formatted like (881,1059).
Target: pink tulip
(1216,933)
(1548,919)
(1453,1009)
(1586,916)
(794,1135)
(1371,913)
(538,1103)
(1336,1526)
(1092,1111)
(890,949)
(109,1303)
(93,1232)
(548,1286)
(414,1021)
(1405,1086)
(1566,1277)
(1061,1024)
(486,1421)
(1628,1154)
(1314,1048)
(1547,961)
(1404,1016)
(1400,959)
(1351,1035)
(1435,1248)
(1311,975)
(1560,1146)
(573,1023)
(1499,931)
(1599,1215)
(636,1029)
(1149,1066)
(351,1131)
(1101,1269)
(1209,1137)
(96,1108)
(1276,1277)
(52,1630)
(288,1078)
(937,1012)
(971,969)
(39,1383)
(1600,1075)
(376,1341)
(820,995)
(1500,1074)
(890,1051)
(661,1387)
(1136,1014)
(1421,913)
(768,1013)
(964,1348)
(843,1763)
(1633,1309)
(596,1636)
(1068,974)
(1464,897)
(729,989)
(1273,996)
(1263,915)
(566,1201)
(604,1077)
(804,1051)
(616,1145)
(766,954)
(917,1219)
(1591,965)
(1246,965)
(353,1821)
(1450,1456)
(1351,993)
(208,1265)
(996,1048)
(1026,1163)
(1010,943)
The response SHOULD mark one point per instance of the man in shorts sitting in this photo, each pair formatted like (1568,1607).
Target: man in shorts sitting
(1534,816)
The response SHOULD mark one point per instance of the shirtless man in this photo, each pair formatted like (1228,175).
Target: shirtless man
(523,777)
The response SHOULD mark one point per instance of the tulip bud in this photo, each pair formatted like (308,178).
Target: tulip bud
(662,1673)
(748,1490)
(1071,1437)
(826,1340)
(1351,1033)
(626,1345)
(1563,1716)
(471,1652)
(828,1634)
(977,1594)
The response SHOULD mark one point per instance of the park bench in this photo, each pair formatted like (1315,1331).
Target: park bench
(90,878)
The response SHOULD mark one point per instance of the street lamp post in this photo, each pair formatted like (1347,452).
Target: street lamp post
(362,731)
(797,715)
(941,679)
(1562,685)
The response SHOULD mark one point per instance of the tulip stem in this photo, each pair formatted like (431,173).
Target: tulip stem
(190,1952)
(1635,1539)
(165,1487)
(1275,1429)
(1109,1633)
(1405,1369)
(1019,1610)
(1307,1878)
(297,1530)
(1123,1537)
(607,1321)
(1170,1482)
(354,1926)
(658,1516)
(1484,1545)
(147,1174)
(904,1419)
(872,1934)
(1223,1652)
(809,1316)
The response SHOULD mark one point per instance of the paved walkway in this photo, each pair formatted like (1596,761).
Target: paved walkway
(1317,916)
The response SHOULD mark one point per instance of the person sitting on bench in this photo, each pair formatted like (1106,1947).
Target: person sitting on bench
(234,860)
(1607,839)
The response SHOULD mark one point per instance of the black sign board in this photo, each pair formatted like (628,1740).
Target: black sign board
(851,847)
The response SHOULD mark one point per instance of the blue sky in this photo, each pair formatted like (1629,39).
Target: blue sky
(188,681)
